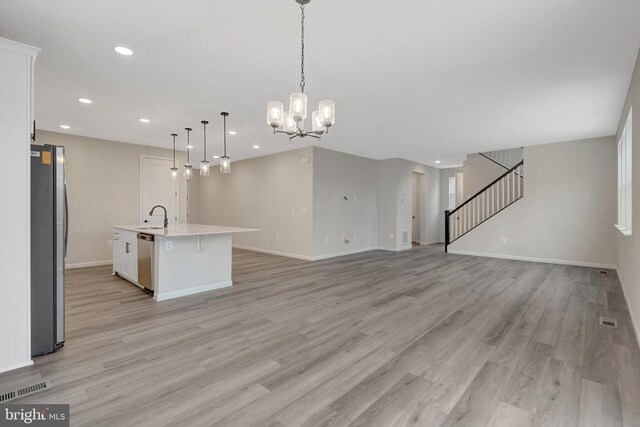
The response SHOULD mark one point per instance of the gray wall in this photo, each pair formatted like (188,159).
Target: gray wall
(272,193)
(567,213)
(478,173)
(628,248)
(103,181)
(336,175)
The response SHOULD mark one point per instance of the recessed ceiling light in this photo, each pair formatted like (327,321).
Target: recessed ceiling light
(233,132)
(123,50)
(216,157)
(437,162)
(65,126)
(85,100)
(256,147)
(144,120)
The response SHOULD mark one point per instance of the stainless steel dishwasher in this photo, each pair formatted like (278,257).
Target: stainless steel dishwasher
(145,261)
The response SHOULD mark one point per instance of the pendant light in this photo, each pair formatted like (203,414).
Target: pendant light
(174,169)
(292,122)
(204,164)
(225,161)
(188,169)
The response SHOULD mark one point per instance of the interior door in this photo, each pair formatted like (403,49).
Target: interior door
(157,188)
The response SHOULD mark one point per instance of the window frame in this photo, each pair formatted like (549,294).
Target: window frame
(453,195)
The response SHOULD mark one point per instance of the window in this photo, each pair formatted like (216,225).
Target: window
(452,192)
(624,177)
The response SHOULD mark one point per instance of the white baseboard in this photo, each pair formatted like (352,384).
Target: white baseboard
(636,328)
(401,248)
(433,242)
(16,366)
(191,291)
(272,252)
(88,264)
(531,259)
(343,253)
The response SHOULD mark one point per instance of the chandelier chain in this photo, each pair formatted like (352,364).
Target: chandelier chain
(302,81)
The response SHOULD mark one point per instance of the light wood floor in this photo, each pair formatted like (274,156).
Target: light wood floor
(380,338)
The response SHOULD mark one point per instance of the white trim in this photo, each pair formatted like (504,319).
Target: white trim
(19,48)
(433,242)
(337,254)
(272,252)
(17,366)
(191,291)
(398,249)
(531,259)
(634,323)
(623,230)
(88,264)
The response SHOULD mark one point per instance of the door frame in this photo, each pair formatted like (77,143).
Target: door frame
(417,193)
(177,185)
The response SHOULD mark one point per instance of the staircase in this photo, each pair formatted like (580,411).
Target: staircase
(492,199)
(505,158)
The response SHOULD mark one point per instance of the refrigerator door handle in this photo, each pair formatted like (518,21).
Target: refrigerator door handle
(66,220)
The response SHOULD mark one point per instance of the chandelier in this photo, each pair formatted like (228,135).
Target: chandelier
(292,122)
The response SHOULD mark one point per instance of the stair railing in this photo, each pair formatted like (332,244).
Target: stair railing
(495,197)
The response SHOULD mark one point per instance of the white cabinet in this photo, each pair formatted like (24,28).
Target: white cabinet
(125,254)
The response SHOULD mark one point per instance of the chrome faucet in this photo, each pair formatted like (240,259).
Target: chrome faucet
(166,220)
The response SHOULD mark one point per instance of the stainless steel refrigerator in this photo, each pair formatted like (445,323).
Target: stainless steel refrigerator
(49,231)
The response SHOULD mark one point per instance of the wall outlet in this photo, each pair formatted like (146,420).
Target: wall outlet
(391,235)
(168,245)
(304,211)
(503,240)
(277,237)
(109,243)
(355,236)
(305,159)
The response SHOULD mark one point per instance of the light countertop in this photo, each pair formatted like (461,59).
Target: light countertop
(184,230)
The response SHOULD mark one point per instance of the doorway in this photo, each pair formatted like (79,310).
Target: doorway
(157,188)
(416,207)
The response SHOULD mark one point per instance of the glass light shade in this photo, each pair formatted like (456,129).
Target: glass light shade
(290,124)
(316,121)
(275,114)
(204,168)
(298,106)
(174,174)
(327,110)
(188,171)
(225,165)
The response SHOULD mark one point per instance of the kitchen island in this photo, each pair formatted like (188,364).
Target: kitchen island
(180,260)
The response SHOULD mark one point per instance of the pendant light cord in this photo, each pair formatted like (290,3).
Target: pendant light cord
(205,142)
(302,81)
(174,150)
(188,144)
(224,121)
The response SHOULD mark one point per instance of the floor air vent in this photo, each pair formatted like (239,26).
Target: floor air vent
(608,321)
(24,391)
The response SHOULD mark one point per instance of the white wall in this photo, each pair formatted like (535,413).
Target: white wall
(272,193)
(103,183)
(628,248)
(567,212)
(16,62)
(336,175)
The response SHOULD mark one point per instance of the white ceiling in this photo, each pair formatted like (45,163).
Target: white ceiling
(422,80)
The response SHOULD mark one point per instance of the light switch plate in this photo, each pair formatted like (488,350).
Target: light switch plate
(168,245)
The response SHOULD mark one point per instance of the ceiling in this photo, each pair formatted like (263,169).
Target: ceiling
(422,80)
